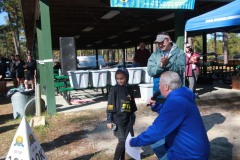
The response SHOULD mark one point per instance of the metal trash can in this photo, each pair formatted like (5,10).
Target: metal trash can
(19,101)
(30,107)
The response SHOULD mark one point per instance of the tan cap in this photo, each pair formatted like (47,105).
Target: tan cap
(160,38)
(188,45)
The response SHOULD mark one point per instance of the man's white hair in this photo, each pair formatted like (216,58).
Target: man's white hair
(172,79)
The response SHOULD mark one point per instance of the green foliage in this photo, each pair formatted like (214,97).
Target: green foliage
(12,33)
(56,55)
(210,46)
(197,43)
(233,44)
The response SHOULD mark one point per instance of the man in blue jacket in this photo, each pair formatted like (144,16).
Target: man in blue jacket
(179,122)
(167,57)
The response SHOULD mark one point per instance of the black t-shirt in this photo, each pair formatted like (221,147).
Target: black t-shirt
(3,68)
(31,67)
(121,104)
(19,67)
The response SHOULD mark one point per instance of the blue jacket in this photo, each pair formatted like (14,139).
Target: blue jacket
(180,122)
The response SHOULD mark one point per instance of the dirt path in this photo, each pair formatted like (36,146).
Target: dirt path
(83,135)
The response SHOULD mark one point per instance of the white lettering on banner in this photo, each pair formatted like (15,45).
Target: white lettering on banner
(222,18)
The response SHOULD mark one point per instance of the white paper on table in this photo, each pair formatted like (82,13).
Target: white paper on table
(134,152)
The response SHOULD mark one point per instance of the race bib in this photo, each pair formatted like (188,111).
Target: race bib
(125,106)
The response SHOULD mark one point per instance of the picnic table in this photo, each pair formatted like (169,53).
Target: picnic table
(62,86)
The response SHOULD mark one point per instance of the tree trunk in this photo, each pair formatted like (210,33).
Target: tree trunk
(225,47)
(190,41)
(15,46)
(113,56)
(107,56)
(14,33)
(215,43)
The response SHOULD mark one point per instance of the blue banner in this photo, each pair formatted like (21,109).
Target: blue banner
(154,4)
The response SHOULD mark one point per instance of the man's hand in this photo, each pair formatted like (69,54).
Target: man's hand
(164,61)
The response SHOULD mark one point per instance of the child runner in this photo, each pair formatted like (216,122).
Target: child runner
(120,111)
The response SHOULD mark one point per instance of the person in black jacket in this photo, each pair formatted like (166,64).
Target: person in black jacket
(120,111)
(19,70)
(31,72)
(12,70)
(3,69)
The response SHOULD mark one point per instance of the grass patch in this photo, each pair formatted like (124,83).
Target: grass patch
(87,116)
(219,103)
(42,131)
(102,155)
(81,119)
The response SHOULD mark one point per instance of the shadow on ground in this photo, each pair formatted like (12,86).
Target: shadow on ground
(209,85)
(5,100)
(212,119)
(8,128)
(86,157)
(90,98)
(64,140)
(220,149)
(6,118)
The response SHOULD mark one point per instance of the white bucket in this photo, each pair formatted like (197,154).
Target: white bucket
(146,91)
(98,78)
(145,77)
(111,80)
(134,75)
(78,79)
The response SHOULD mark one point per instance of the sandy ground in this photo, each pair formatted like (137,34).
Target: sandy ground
(221,116)
(222,127)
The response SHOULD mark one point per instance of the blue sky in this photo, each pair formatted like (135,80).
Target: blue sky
(2,21)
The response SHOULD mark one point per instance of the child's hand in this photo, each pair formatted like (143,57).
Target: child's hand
(151,103)
(109,125)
